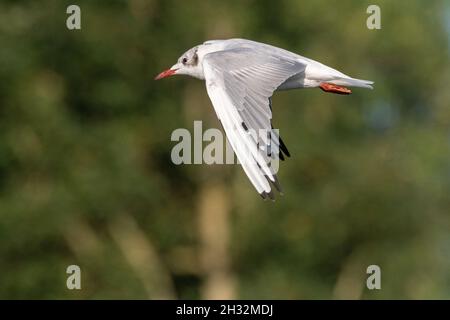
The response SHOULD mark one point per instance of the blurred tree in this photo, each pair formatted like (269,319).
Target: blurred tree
(86,176)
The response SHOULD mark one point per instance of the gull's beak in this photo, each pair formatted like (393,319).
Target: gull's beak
(167,73)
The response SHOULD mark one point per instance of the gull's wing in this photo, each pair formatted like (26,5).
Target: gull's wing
(240,83)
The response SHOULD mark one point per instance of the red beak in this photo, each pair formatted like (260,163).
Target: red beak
(165,74)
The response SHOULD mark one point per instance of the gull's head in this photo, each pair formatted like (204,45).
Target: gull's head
(187,64)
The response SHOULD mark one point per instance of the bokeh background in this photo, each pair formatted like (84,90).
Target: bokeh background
(86,176)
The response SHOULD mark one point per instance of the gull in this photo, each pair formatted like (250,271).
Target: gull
(241,76)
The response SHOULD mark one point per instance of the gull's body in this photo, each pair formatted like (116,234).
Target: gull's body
(241,76)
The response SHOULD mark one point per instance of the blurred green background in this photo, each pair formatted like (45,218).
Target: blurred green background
(86,176)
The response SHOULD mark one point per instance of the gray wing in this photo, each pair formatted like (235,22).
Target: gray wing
(239,83)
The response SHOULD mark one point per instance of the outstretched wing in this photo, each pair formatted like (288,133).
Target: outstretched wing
(240,83)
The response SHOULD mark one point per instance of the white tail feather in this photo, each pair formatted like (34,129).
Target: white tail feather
(351,82)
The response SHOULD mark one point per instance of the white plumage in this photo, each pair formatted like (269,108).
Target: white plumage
(241,76)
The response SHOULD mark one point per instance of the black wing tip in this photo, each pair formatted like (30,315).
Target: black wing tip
(267,195)
(270,195)
(283,150)
(276,183)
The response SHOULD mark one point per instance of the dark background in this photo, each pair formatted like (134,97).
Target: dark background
(86,176)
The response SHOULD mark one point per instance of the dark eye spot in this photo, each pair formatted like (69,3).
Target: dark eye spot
(184,60)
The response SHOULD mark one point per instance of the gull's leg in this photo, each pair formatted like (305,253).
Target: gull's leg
(329,87)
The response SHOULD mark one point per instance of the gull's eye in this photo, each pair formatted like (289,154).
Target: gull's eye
(184,60)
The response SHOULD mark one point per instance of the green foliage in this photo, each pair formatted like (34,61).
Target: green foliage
(85,141)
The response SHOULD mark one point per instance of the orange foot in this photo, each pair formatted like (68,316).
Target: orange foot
(328,87)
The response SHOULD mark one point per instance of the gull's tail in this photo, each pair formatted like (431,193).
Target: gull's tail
(351,82)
